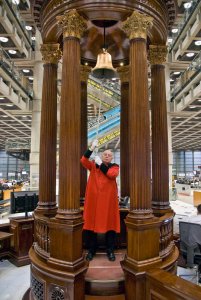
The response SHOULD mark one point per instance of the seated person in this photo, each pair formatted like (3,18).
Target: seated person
(196,218)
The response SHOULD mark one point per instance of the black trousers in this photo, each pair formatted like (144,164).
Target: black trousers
(91,240)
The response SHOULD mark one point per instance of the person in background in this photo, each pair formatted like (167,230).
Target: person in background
(196,218)
(101,210)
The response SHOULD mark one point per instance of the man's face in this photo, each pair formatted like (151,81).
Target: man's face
(107,156)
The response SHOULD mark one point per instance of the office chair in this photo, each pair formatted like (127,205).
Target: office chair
(190,243)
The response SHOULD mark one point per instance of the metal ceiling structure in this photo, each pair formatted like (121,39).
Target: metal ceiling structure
(17,52)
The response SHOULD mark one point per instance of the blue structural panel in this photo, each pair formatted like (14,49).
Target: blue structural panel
(110,120)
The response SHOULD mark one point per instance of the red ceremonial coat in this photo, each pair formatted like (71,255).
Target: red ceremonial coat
(101,209)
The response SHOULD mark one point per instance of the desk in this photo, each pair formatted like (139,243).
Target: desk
(5,235)
(23,231)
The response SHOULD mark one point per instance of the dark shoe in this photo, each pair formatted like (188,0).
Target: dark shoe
(111,256)
(89,256)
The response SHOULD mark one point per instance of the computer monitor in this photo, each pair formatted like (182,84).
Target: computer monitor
(23,202)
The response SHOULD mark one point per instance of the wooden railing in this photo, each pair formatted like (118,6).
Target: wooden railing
(161,285)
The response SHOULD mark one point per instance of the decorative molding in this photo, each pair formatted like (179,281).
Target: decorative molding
(157,54)
(136,25)
(68,211)
(42,203)
(73,25)
(84,72)
(57,293)
(51,53)
(123,73)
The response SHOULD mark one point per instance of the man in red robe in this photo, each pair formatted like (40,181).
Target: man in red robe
(101,209)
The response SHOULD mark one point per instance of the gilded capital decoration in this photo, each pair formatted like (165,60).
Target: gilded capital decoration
(123,73)
(51,53)
(84,72)
(157,54)
(73,25)
(136,25)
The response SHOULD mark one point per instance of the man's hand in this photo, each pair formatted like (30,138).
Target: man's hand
(98,161)
(93,145)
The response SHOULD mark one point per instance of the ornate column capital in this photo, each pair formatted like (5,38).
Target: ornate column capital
(136,25)
(157,54)
(72,24)
(51,53)
(84,72)
(123,73)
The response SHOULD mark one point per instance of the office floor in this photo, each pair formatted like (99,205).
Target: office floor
(14,281)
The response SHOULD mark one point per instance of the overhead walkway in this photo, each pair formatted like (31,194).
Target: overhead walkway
(106,127)
(106,96)
(102,94)
(18,148)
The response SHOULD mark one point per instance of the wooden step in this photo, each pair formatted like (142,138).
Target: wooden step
(103,277)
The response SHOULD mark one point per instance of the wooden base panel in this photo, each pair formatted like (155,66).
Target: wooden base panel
(19,261)
(51,283)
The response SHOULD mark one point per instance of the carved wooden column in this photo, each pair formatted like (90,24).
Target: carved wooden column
(85,70)
(124,154)
(47,166)
(160,166)
(143,231)
(61,271)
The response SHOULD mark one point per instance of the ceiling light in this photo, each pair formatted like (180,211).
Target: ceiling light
(192,106)
(199,100)
(187,5)
(9,105)
(3,39)
(30,78)
(24,116)
(1,98)
(198,43)
(177,73)
(28,28)
(190,54)
(12,51)
(86,63)
(170,40)
(171,80)
(5,116)
(178,117)
(121,64)
(33,38)
(175,30)
(26,70)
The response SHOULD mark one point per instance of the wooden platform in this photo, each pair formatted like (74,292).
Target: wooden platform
(103,277)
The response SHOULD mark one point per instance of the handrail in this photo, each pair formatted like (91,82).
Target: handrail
(164,285)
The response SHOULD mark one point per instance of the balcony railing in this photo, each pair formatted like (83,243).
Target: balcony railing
(14,72)
(183,23)
(193,69)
